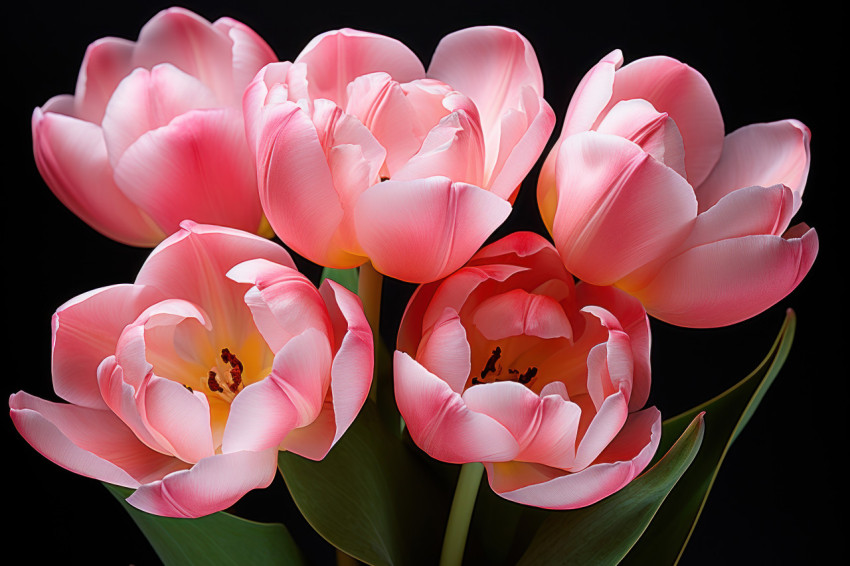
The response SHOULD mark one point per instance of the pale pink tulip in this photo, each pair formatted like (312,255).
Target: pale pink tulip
(643,191)
(154,132)
(187,383)
(506,362)
(362,156)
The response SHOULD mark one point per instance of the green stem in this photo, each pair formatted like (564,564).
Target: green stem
(369,288)
(463,503)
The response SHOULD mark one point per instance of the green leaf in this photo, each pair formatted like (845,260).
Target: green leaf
(370,497)
(727,414)
(345,277)
(217,539)
(603,532)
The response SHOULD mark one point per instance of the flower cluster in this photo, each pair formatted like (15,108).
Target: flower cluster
(186,384)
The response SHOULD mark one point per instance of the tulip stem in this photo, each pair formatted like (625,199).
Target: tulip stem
(463,504)
(369,285)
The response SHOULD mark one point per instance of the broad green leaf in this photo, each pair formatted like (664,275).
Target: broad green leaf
(217,539)
(604,532)
(726,414)
(370,497)
(345,277)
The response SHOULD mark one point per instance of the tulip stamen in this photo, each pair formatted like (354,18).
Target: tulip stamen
(235,369)
(212,383)
(490,366)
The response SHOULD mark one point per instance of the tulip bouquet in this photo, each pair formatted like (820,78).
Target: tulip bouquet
(329,299)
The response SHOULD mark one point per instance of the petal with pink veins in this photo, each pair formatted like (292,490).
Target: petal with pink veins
(760,154)
(444,351)
(618,208)
(440,422)
(606,424)
(213,484)
(250,53)
(518,312)
(422,230)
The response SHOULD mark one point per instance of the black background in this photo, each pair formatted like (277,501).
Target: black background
(780,496)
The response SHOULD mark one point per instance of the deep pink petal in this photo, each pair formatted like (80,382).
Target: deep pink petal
(88,441)
(420,231)
(106,62)
(213,484)
(760,154)
(336,58)
(618,208)
(730,280)
(71,157)
(518,312)
(440,422)
(685,95)
(85,331)
(198,167)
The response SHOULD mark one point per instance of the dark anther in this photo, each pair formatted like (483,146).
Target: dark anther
(235,371)
(212,382)
(189,388)
(528,375)
(491,363)
(384,179)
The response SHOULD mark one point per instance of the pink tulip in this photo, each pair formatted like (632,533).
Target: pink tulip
(508,363)
(362,156)
(185,384)
(154,133)
(642,191)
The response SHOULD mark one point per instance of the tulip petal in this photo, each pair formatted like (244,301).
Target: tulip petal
(760,154)
(618,208)
(606,424)
(85,331)
(351,375)
(213,484)
(629,454)
(197,167)
(422,230)
(731,280)
(106,62)
(71,157)
(684,94)
(180,416)
(517,313)
(250,53)
(260,417)
(440,422)
(87,441)
(444,351)
(336,58)
(190,43)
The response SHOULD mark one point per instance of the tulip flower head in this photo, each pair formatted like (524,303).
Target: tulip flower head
(643,191)
(362,156)
(187,383)
(506,362)
(154,132)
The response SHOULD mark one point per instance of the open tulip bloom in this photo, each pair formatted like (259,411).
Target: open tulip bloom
(222,363)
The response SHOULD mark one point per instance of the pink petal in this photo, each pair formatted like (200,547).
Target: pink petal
(147,100)
(420,231)
(260,417)
(209,252)
(490,65)
(85,331)
(655,132)
(87,441)
(731,280)
(106,62)
(193,45)
(440,422)
(544,427)
(71,157)
(198,168)
(297,188)
(685,95)
(213,484)
(444,351)
(336,58)
(618,208)
(517,313)
(607,422)
(760,154)
(181,417)
(270,79)
(283,302)
(250,53)
(550,488)
(633,320)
